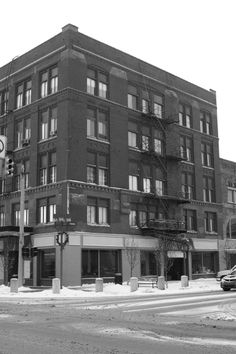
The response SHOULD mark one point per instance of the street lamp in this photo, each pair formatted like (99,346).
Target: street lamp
(62,238)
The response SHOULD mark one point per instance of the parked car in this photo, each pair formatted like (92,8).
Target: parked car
(229,281)
(223,273)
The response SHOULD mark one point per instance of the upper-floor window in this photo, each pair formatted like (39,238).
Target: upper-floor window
(16,214)
(97,168)
(145,106)
(231,195)
(48,81)
(207,155)
(23,93)
(205,123)
(158,106)
(210,222)
(48,123)
(47,168)
(132,97)
(2,215)
(186,148)
(4,96)
(21,167)
(190,219)
(158,142)
(187,185)
(185,116)
(97,123)
(208,189)
(46,209)
(97,211)
(133,176)
(97,83)
(23,133)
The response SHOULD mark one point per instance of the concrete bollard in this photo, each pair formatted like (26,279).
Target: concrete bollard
(184,281)
(14,285)
(133,284)
(161,283)
(56,285)
(99,285)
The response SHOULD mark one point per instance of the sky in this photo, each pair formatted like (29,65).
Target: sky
(192,39)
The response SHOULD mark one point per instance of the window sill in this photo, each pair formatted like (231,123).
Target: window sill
(99,140)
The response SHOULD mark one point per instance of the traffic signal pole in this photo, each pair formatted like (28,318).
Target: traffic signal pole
(21,227)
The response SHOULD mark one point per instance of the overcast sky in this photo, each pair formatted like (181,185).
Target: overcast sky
(192,39)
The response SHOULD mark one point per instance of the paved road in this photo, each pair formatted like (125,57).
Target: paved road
(194,323)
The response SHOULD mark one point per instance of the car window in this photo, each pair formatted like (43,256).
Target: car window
(233,273)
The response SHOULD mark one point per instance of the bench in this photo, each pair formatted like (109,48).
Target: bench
(147,282)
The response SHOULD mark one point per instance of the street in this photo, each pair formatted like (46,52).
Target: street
(196,323)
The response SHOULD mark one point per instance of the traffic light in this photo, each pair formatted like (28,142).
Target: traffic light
(25,252)
(34,252)
(9,166)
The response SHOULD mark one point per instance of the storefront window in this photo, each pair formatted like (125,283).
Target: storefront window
(203,262)
(48,263)
(100,263)
(148,263)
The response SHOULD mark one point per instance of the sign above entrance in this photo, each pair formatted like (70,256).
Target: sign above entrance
(175,254)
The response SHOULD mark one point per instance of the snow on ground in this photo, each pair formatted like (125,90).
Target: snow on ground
(111,289)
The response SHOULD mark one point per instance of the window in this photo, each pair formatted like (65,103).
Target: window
(205,123)
(159,185)
(133,183)
(231,227)
(158,106)
(132,139)
(100,263)
(97,168)
(2,215)
(208,189)
(187,186)
(132,135)
(23,133)
(23,93)
(49,81)
(48,123)
(145,143)
(231,195)
(207,155)
(132,97)
(145,106)
(158,142)
(17,175)
(52,167)
(190,219)
(97,123)
(186,148)
(47,168)
(204,262)
(98,211)
(133,222)
(16,214)
(147,185)
(185,116)
(133,176)
(4,96)
(210,222)
(46,209)
(97,83)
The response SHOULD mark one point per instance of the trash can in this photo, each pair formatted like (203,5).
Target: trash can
(118,278)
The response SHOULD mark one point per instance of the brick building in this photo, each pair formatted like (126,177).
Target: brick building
(227,244)
(112,142)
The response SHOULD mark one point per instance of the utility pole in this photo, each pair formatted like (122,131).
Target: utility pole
(21,227)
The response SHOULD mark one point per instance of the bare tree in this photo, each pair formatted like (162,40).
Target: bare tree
(8,258)
(132,253)
(166,243)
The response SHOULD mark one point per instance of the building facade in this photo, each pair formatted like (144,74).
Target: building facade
(227,245)
(111,142)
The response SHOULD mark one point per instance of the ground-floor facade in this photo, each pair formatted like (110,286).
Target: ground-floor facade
(88,256)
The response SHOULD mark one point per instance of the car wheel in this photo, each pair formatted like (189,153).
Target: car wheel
(226,289)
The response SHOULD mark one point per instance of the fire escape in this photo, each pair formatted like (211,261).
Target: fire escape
(172,225)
